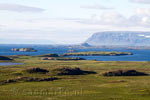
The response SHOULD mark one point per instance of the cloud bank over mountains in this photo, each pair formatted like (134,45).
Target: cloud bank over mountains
(66,21)
(141,18)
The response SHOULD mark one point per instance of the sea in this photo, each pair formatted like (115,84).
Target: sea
(138,55)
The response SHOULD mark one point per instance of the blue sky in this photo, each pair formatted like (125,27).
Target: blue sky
(69,21)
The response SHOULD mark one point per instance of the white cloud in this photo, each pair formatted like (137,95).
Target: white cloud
(68,30)
(107,19)
(141,35)
(141,1)
(20,8)
(147,36)
(95,6)
(112,18)
(140,19)
(143,11)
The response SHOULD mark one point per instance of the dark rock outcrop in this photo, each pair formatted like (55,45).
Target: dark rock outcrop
(70,71)
(49,55)
(124,73)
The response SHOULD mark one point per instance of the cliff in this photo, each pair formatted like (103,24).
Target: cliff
(120,38)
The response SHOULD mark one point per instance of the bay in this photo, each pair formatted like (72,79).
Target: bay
(138,55)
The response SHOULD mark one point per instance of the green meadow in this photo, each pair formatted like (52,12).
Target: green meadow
(74,87)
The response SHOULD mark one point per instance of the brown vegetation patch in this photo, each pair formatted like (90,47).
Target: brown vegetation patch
(40,79)
(27,79)
(118,81)
(37,70)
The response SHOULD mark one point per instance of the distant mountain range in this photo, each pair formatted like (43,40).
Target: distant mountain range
(119,38)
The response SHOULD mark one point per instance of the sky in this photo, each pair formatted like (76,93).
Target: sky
(68,21)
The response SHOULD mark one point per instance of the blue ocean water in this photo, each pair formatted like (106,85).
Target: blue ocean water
(138,55)
(9,63)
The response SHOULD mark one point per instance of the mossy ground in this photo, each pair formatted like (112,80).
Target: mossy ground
(76,87)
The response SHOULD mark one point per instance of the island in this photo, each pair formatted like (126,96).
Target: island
(98,53)
(72,50)
(24,49)
(5,58)
(62,58)
(54,56)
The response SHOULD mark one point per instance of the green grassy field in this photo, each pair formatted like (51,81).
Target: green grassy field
(76,87)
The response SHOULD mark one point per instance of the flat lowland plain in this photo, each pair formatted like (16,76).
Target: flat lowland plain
(75,87)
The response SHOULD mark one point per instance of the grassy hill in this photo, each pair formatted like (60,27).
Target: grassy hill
(98,53)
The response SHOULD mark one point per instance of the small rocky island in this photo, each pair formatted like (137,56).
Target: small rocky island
(98,53)
(58,57)
(72,50)
(24,49)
